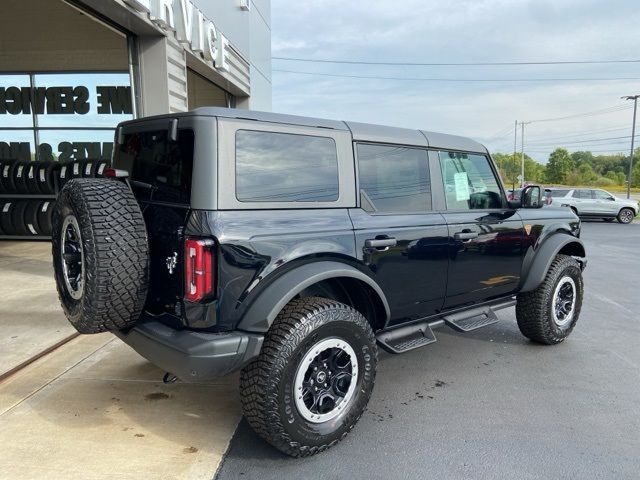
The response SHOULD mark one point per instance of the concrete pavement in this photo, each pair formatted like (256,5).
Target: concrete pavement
(93,408)
(30,315)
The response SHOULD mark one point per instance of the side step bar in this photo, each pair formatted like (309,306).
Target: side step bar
(410,337)
(471,319)
(403,339)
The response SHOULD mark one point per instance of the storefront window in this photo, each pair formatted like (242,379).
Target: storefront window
(63,116)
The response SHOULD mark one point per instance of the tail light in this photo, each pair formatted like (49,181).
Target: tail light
(115,173)
(199,268)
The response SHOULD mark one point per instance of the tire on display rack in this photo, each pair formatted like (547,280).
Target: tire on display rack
(100,255)
(19,175)
(88,168)
(313,378)
(45,211)
(17,218)
(30,218)
(31,180)
(100,166)
(64,174)
(6,222)
(6,179)
(48,177)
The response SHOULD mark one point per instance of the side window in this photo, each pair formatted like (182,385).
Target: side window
(284,167)
(394,179)
(582,194)
(602,195)
(469,182)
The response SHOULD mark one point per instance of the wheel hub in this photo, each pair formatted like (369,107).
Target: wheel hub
(72,257)
(325,380)
(564,301)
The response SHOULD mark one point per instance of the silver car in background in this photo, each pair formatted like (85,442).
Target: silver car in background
(593,203)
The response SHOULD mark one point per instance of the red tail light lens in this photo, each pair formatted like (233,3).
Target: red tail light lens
(199,269)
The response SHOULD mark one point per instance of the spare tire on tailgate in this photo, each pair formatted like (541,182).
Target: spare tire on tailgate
(100,254)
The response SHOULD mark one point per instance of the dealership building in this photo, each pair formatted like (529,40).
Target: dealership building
(70,70)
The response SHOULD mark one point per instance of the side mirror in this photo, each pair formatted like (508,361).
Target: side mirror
(531,197)
(612,198)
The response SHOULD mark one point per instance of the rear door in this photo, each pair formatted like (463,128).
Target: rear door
(160,174)
(398,235)
(584,201)
(485,235)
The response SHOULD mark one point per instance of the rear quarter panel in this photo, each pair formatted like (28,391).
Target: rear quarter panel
(256,244)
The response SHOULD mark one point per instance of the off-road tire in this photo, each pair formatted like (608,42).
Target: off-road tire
(534,309)
(115,249)
(267,383)
(626,216)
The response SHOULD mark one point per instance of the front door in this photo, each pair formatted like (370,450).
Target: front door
(485,236)
(403,243)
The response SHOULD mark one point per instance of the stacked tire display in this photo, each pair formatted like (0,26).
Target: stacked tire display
(28,190)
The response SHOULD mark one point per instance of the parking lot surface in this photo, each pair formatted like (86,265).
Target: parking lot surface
(490,404)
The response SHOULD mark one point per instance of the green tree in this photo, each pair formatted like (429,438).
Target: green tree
(559,167)
(510,168)
(582,158)
(635,174)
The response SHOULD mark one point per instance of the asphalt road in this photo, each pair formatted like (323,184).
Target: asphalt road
(492,405)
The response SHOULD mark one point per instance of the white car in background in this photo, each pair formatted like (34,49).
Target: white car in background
(593,203)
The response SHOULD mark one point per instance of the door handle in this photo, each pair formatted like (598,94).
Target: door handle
(466,235)
(380,242)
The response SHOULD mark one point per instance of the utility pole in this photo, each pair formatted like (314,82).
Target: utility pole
(633,137)
(515,149)
(522,124)
(522,156)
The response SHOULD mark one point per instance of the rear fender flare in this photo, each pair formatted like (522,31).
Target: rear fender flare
(545,255)
(264,310)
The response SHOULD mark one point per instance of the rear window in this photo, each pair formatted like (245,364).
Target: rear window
(557,193)
(160,169)
(285,167)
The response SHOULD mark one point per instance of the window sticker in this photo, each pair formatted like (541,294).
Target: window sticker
(462,186)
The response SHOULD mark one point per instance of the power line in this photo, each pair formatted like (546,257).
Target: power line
(613,150)
(423,79)
(584,141)
(581,133)
(602,111)
(452,64)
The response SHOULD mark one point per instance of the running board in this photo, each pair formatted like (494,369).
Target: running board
(471,319)
(409,337)
(403,339)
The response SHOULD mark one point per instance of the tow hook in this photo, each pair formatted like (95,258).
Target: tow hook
(169,378)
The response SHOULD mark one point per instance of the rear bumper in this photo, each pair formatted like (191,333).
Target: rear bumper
(192,356)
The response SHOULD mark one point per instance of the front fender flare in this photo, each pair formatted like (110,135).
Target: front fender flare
(264,309)
(545,254)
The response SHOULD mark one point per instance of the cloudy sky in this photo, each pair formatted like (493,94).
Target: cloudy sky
(464,31)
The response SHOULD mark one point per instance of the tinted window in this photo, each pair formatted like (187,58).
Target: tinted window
(469,182)
(282,167)
(584,194)
(160,169)
(394,179)
(557,193)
